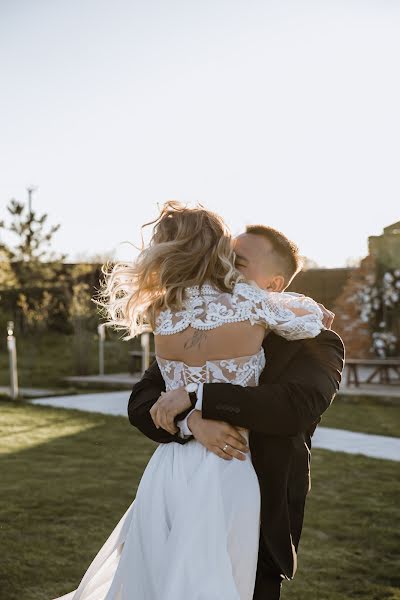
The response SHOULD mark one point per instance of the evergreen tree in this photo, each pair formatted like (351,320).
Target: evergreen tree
(32,263)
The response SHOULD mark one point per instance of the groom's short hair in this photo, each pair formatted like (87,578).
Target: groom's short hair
(286,251)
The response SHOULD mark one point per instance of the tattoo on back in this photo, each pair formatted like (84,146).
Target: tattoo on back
(195,340)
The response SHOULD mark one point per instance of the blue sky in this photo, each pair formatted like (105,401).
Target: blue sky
(284,113)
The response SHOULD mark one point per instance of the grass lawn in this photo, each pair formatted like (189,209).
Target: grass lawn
(368,414)
(68,476)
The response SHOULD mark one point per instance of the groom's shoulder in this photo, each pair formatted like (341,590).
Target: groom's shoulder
(328,334)
(328,345)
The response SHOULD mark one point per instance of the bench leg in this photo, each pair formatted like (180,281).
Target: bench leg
(397,371)
(352,375)
(385,379)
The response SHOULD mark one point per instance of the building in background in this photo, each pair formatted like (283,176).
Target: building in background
(368,308)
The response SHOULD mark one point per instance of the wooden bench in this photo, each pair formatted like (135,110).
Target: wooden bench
(383,369)
(135,361)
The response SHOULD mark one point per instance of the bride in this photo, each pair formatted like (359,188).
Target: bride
(192,531)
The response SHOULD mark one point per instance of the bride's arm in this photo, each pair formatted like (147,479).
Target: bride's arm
(144,394)
(305,390)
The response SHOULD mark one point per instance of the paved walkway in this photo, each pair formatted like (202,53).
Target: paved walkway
(352,442)
(121,380)
(108,403)
(337,440)
(29,392)
(371,389)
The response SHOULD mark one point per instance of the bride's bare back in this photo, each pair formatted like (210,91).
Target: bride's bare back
(215,325)
(196,346)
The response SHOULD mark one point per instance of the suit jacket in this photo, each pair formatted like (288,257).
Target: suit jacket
(299,382)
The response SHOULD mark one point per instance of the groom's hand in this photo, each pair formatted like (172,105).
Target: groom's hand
(215,434)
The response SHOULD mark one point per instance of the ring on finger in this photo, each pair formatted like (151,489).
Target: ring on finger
(225,447)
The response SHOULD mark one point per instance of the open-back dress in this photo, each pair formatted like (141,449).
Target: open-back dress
(192,531)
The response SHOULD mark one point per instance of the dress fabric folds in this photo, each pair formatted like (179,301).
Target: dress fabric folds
(192,532)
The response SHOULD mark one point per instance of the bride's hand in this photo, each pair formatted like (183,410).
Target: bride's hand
(328,316)
(215,434)
(167,407)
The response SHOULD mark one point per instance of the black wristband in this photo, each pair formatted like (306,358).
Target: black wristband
(192,398)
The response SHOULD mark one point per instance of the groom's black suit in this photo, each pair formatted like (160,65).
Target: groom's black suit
(298,384)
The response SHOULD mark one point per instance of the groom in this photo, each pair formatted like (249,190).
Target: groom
(298,384)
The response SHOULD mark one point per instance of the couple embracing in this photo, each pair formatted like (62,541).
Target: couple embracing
(243,372)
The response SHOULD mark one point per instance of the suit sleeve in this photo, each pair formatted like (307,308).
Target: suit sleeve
(305,390)
(144,394)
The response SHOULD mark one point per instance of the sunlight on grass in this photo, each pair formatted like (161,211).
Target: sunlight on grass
(21,433)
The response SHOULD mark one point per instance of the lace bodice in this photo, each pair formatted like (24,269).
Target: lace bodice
(291,316)
(242,370)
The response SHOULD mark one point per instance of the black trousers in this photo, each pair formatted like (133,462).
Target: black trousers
(268,587)
(268,579)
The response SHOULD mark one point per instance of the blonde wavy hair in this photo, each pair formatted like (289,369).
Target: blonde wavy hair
(188,246)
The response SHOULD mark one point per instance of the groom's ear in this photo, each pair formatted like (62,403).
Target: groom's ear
(276,283)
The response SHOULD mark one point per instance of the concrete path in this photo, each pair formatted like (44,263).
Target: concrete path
(337,440)
(352,442)
(121,380)
(108,403)
(377,391)
(26,392)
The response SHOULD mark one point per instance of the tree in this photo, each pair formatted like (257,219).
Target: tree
(8,279)
(32,263)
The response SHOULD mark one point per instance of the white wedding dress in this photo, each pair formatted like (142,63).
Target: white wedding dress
(192,531)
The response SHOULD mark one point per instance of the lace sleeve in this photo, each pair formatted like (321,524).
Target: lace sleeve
(292,317)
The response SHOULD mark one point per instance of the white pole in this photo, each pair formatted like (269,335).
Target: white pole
(145,342)
(12,356)
(101,330)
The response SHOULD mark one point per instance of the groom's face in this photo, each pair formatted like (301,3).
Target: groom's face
(257,260)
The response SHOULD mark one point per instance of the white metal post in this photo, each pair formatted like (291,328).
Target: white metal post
(12,356)
(101,330)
